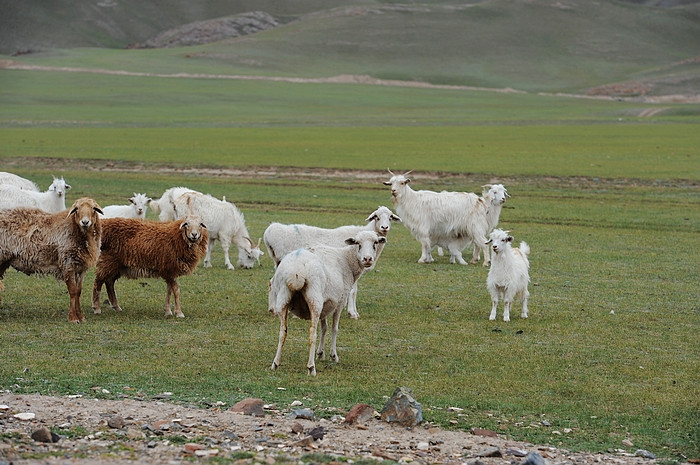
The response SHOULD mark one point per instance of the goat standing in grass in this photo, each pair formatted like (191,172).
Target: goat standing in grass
(509,273)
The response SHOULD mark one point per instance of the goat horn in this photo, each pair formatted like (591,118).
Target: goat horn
(259,239)
(390,172)
(252,244)
(408,172)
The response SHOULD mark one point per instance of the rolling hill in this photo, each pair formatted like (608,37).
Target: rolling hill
(603,48)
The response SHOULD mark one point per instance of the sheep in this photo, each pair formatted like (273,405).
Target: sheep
(434,218)
(314,284)
(483,218)
(224,222)
(64,244)
(136,209)
(281,239)
(508,276)
(52,201)
(9,179)
(135,248)
(165,207)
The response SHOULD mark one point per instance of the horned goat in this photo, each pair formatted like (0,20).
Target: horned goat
(64,244)
(52,201)
(281,239)
(314,284)
(509,273)
(136,209)
(134,248)
(224,222)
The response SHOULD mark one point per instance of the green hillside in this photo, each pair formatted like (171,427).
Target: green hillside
(611,47)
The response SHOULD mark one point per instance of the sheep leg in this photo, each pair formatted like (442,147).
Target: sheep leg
(112,294)
(96,291)
(173,288)
(322,343)
(352,303)
(207,258)
(426,246)
(74,284)
(3,267)
(334,337)
(282,337)
(315,309)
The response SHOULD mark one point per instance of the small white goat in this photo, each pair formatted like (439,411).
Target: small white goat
(136,209)
(52,201)
(314,284)
(224,222)
(508,276)
(10,179)
(164,207)
(281,239)
(483,218)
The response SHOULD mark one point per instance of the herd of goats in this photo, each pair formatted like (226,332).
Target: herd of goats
(316,269)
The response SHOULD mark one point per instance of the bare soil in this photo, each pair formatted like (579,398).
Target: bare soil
(131,431)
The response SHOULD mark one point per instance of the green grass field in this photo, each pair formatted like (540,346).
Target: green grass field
(606,197)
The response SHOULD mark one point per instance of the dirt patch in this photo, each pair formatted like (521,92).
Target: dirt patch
(156,431)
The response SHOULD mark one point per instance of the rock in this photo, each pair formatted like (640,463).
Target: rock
(493,452)
(116,422)
(45,435)
(192,447)
(306,442)
(533,458)
(359,413)
(297,428)
(25,416)
(487,433)
(302,413)
(402,408)
(516,452)
(249,406)
(627,443)
(317,433)
(644,454)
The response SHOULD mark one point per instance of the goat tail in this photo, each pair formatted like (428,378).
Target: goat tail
(524,248)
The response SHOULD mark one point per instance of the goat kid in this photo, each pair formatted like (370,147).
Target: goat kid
(509,273)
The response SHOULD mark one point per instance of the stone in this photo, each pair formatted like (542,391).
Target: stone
(317,433)
(492,452)
(249,406)
(533,458)
(644,454)
(302,413)
(403,409)
(192,447)
(627,443)
(116,422)
(44,435)
(25,416)
(359,413)
(487,433)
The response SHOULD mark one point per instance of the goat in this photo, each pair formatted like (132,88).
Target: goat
(164,207)
(435,217)
(64,244)
(136,208)
(224,222)
(314,284)
(9,179)
(135,248)
(508,276)
(281,239)
(483,218)
(52,201)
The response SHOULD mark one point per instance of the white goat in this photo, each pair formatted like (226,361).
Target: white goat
(52,201)
(435,218)
(483,218)
(136,209)
(164,207)
(224,222)
(9,179)
(508,275)
(281,239)
(64,244)
(314,284)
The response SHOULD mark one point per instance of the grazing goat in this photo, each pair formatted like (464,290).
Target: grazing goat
(164,207)
(136,248)
(314,284)
(508,275)
(281,239)
(9,179)
(64,244)
(483,218)
(136,209)
(52,201)
(435,217)
(224,222)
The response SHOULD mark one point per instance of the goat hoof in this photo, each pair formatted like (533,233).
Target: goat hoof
(312,371)
(274,366)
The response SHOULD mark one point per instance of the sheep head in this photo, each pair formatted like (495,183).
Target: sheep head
(382,218)
(193,229)
(366,242)
(85,212)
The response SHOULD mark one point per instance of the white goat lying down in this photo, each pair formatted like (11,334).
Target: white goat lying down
(138,204)
(314,284)
(508,276)
(10,179)
(52,201)
(450,219)
(281,239)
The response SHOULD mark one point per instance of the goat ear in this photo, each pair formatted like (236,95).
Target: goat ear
(488,242)
(67,186)
(350,241)
(386,183)
(509,238)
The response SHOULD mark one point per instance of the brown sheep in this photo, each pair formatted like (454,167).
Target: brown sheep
(136,248)
(64,244)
